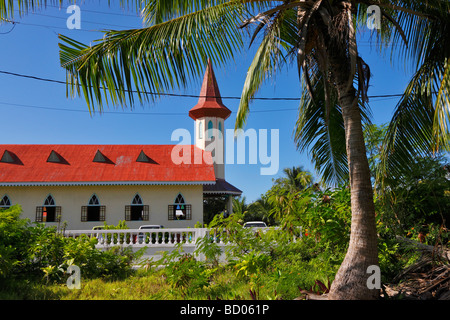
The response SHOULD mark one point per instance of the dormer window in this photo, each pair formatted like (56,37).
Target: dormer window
(55,157)
(101,158)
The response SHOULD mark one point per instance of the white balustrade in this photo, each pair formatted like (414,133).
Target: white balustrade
(141,237)
(156,240)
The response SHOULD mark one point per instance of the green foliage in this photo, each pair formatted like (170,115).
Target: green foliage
(323,215)
(209,248)
(212,206)
(374,135)
(34,251)
(120,226)
(183,271)
(419,201)
(251,263)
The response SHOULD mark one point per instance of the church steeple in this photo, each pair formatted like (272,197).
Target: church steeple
(210,102)
(209,115)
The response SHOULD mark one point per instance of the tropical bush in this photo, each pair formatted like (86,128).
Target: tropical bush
(35,251)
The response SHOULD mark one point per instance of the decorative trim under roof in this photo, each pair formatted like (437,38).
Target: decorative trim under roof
(104,183)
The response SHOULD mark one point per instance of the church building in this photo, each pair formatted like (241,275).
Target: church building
(88,185)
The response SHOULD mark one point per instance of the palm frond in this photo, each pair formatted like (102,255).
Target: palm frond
(151,60)
(420,122)
(268,58)
(10,8)
(419,126)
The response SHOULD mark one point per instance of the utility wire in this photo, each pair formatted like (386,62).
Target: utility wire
(51,27)
(85,21)
(124,14)
(132,112)
(187,95)
(14,25)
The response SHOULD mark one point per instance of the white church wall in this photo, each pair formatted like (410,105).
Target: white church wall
(115,198)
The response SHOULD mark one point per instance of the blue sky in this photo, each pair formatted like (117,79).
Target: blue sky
(31,110)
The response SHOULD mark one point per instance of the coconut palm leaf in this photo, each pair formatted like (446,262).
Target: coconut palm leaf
(420,122)
(9,9)
(320,131)
(419,125)
(268,58)
(151,60)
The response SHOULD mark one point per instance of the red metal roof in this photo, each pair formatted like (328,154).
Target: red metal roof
(210,102)
(32,164)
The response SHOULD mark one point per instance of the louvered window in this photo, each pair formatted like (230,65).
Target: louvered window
(93,211)
(180,210)
(49,212)
(137,211)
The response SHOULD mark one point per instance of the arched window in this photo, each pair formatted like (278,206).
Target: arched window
(137,210)
(93,211)
(49,212)
(137,200)
(5,203)
(210,129)
(220,130)
(200,130)
(180,210)
(179,198)
(49,201)
(93,201)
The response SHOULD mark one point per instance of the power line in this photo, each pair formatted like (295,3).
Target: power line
(87,111)
(101,12)
(86,21)
(49,27)
(188,95)
(14,25)
(132,112)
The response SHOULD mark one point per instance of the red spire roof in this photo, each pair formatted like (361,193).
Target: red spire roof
(210,102)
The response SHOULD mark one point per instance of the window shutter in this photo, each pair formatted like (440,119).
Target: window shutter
(102,213)
(188,212)
(84,210)
(146,213)
(58,214)
(127,213)
(39,212)
(171,212)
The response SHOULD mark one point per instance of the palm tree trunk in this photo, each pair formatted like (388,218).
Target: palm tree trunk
(351,279)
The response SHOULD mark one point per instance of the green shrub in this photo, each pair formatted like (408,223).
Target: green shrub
(35,251)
